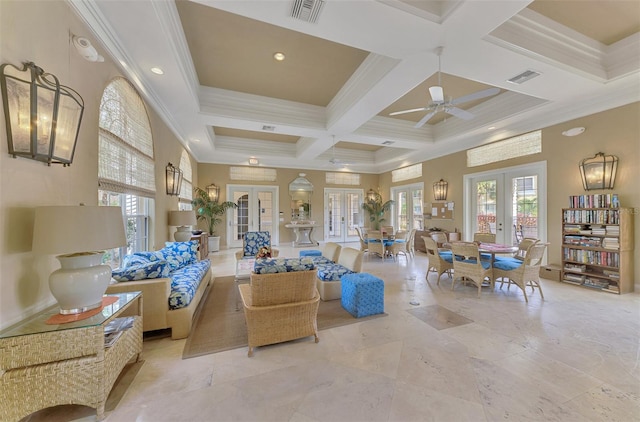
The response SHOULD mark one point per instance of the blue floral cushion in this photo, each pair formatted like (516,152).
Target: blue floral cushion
(133,259)
(332,272)
(253,241)
(179,254)
(155,269)
(319,260)
(185,282)
(282,265)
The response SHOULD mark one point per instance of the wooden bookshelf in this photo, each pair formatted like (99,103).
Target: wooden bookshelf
(597,244)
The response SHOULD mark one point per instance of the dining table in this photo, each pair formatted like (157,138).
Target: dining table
(496,249)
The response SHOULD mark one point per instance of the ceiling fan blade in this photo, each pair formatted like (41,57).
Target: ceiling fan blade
(395,113)
(425,119)
(476,95)
(437,94)
(458,112)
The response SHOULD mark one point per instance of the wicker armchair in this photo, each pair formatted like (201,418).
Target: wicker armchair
(468,265)
(524,273)
(364,243)
(400,245)
(252,242)
(484,237)
(280,307)
(439,261)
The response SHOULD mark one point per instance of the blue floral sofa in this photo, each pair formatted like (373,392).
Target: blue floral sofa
(172,282)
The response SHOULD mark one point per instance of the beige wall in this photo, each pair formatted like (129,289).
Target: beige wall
(614,132)
(38,31)
(219,174)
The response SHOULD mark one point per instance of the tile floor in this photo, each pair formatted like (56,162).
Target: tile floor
(453,357)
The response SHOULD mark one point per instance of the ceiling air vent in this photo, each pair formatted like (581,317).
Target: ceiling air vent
(307,10)
(388,143)
(268,128)
(524,77)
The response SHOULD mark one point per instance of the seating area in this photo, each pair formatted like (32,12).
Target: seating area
(467,262)
(281,302)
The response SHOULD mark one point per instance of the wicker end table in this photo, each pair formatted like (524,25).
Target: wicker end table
(48,365)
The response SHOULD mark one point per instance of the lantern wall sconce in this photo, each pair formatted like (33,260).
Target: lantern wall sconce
(174,180)
(214,192)
(599,172)
(372,195)
(42,116)
(440,189)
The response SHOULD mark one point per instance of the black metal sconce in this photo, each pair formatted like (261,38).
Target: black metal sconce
(214,192)
(440,190)
(599,172)
(174,180)
(42,117)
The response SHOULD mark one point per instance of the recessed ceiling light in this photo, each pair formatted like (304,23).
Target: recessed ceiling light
(491,128)
(253,161)
(574,131)
(157,71)
(278,56)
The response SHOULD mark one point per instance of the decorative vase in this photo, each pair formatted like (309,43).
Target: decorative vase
(214,243)
(79,285)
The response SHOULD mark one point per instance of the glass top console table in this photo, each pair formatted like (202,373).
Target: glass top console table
(45,365)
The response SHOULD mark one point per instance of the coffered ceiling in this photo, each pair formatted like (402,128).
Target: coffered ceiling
(227,99)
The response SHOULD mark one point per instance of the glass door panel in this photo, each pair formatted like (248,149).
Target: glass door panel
(342,214)
(407,212)
(256,212)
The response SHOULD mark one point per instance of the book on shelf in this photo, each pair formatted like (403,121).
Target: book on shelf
(606,200)
(119,324)
(610,243)
(575,268)
(110,339)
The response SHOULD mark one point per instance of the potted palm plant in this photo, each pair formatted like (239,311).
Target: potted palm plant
(376,209)
(211,213)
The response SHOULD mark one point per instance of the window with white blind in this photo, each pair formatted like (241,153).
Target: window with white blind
(517,146)
(125,160)
(186,189)
(406,173)
(256,174)
(125,164)
(334,178)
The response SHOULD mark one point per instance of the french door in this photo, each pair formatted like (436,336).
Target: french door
(407,212)
(342,214)
(509,202)
(257,211)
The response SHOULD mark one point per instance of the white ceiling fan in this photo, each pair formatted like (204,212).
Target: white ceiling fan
(333,160)
(439,104)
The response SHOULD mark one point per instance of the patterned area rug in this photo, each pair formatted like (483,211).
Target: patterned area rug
(218,326)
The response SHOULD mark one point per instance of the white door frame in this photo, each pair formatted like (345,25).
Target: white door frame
(343,191)
(252,191)
(539,168)
(410,217)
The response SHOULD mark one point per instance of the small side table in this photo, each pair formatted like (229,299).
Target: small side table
(203,247)
(48,365)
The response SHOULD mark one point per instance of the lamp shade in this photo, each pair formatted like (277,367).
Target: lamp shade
(75,229)
(599,172)
(182,218)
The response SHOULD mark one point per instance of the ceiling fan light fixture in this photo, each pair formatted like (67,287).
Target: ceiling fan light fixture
(437,94)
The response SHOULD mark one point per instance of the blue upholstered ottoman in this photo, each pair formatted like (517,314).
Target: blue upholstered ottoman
(310,252)
(362,294)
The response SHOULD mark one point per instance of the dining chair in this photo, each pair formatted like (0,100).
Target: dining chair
(364,242)
(523,273)
(440,261)
(387,231)
(441,239)
(411,243)
(468,265)
(378,244)
(484,237)
(399,245)
(523,246)
(518,232)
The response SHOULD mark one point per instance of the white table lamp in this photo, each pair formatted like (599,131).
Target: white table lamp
(80,234)
(183,220)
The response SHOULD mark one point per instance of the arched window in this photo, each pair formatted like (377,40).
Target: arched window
(126,175)
(186,190)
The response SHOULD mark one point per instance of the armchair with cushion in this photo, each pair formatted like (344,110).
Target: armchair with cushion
(468,265)
(440,260)
(280,306)
(522,272)
(252,242)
